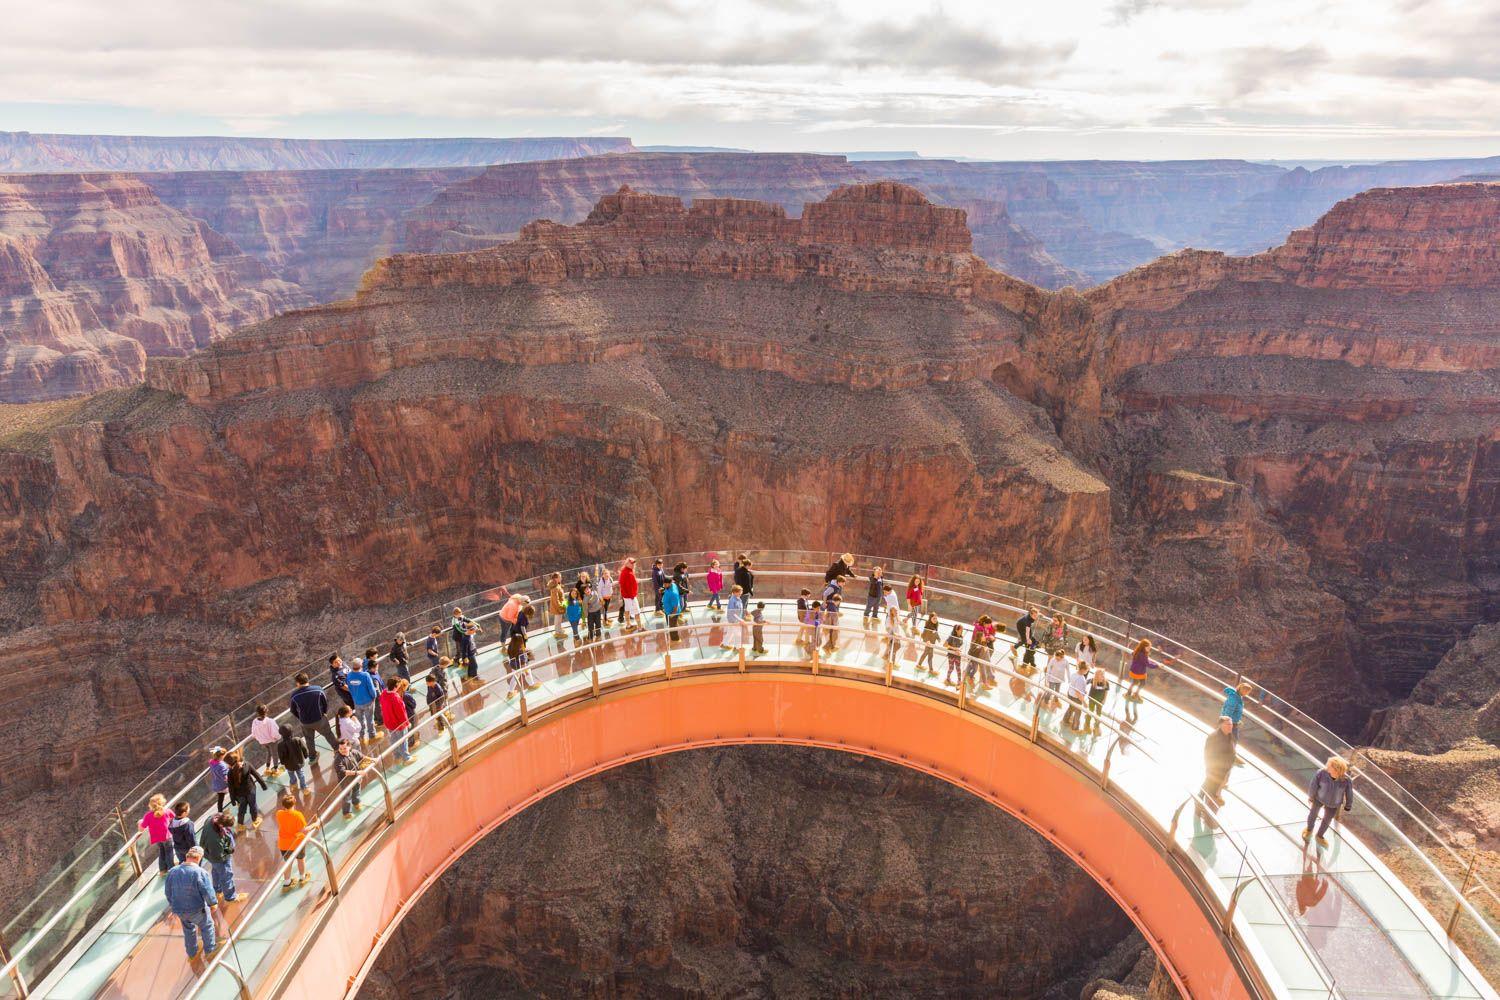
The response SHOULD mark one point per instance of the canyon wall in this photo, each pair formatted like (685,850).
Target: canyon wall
(96,273)
(494,206)
(755,872)
(317,229)
(36,152)
(1278,460)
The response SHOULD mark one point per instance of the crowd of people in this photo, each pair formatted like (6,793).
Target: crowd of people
(358,711)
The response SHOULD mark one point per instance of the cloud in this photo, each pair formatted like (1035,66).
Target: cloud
(1274,72)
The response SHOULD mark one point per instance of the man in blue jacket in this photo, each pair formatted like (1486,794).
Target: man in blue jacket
(671,606)
(364,688)
(310,707)
(191,897)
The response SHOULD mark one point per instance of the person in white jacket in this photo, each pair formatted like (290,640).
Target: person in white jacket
(263,730)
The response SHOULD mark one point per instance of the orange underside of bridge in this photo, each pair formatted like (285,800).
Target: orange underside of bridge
(500,780)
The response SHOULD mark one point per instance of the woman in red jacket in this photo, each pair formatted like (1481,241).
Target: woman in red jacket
(393,713)
(630,607)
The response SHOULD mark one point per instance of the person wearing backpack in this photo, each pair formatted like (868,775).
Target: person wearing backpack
(217,841)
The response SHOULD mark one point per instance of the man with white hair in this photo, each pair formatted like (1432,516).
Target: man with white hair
(191,896)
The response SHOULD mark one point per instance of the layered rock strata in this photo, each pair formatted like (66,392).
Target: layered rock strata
(1276,460)
(96,273)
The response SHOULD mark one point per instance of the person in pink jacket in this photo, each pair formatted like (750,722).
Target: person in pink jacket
(157,824)
(714,581)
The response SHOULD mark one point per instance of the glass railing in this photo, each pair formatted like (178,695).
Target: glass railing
(106,863)
(1124,757)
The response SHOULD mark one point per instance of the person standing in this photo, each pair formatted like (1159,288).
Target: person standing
(242,781)
(433,647)
(464,630)
(364,689)
(399,646)
(263,730)
(734,630)
(758,629)
(338,677)
(184,836)
(393,711)
(157,824)
(217,841)
(1140,665)
(714,581)
(1098,691)
(191,898)
(929,645)
(557,604)
(669,602)
(347,764)
(658,581)
(1026,636)
(873,597)
(1234,704)
(1218,759)
(954,644)
(573,612)
(293,753)
(292,829)
(218,776)
(630,607)
(310,707)
(519,676)
(683,579)
(593,606)
(916,587)
(606,590)
(831,609)
(1078,693)
(1330,789)
(744,576)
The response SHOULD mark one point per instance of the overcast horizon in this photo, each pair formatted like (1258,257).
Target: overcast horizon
(1080,79)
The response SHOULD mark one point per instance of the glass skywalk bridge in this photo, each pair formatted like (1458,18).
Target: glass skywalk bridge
(1388,910)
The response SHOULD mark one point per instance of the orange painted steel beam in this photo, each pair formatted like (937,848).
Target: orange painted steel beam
(504,777)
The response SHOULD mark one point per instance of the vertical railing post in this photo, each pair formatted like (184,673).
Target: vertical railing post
(525,717)
(452,744)
(742,658)
(963,688)
(135,859)
(1036,719)
(15,973)
(815,661)
(667,662)
(1458,904)
(229,721)
(890,666)
(594,678)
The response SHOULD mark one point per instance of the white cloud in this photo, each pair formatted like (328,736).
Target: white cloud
(1270,75)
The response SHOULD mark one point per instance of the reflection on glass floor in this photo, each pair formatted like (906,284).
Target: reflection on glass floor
(1363,927)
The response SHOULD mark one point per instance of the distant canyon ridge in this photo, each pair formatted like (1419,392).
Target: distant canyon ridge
(114,249)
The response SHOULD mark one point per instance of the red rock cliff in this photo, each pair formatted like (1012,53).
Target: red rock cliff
(96,273)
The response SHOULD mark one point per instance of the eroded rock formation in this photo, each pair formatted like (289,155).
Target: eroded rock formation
(1276,459)
(96,273)
(318,229)
(755,872)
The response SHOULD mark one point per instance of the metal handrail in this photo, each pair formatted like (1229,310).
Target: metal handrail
(1130,739)
(978,594)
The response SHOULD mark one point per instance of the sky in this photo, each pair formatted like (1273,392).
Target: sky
(1058,79)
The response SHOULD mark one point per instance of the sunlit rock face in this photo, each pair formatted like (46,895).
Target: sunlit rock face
(1274,459)
(97,273)
(755,872)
